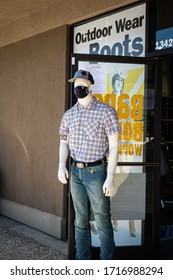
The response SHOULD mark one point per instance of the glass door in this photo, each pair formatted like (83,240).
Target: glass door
(132,86)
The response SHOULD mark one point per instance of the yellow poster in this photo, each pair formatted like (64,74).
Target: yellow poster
(122,87)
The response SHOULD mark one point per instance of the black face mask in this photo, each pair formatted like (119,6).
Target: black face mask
(81,91)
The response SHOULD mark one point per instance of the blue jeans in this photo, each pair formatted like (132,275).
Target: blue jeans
(87,186)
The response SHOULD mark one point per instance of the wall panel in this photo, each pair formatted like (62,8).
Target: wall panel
(32,97)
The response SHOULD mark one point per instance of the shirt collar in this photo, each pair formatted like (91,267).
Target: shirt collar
(90,105)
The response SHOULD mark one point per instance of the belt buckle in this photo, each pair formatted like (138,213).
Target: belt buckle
(80,165)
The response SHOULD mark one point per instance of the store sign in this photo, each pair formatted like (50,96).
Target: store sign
(121,34)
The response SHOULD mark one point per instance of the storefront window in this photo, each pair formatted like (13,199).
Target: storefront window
(130,90)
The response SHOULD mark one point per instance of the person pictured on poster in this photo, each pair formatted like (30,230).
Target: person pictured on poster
(117,84)
(89,131)
(118,81)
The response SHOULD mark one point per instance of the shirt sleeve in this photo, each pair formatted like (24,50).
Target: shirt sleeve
(64,130)
(111,122)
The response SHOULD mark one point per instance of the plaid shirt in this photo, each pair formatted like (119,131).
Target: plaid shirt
(88,129)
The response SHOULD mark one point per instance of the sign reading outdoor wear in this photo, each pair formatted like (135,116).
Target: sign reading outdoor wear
(121,86)
(121,33)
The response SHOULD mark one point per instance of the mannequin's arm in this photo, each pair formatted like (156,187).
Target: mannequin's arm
(63,155)
(108,188)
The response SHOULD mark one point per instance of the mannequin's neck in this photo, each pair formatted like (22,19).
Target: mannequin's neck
(86,100)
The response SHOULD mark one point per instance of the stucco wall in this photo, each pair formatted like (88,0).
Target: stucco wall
(32,97)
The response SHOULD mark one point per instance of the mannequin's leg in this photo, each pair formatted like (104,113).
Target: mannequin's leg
(81,207)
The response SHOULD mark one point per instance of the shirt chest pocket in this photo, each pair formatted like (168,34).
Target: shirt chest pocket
(91,129)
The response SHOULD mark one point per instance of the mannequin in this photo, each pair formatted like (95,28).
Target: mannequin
(83,89)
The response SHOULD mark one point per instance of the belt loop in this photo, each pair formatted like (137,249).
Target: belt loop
(86,164)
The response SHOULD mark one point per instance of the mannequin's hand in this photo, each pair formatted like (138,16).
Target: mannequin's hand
(62,174)
(108,188)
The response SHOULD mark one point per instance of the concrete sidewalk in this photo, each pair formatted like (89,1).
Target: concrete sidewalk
(21,242)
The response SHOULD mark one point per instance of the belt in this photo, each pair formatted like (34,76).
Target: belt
(87,164)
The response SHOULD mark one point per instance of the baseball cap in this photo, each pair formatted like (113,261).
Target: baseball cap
(84,75)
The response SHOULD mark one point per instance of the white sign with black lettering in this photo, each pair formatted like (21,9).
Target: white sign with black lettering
(121,33)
